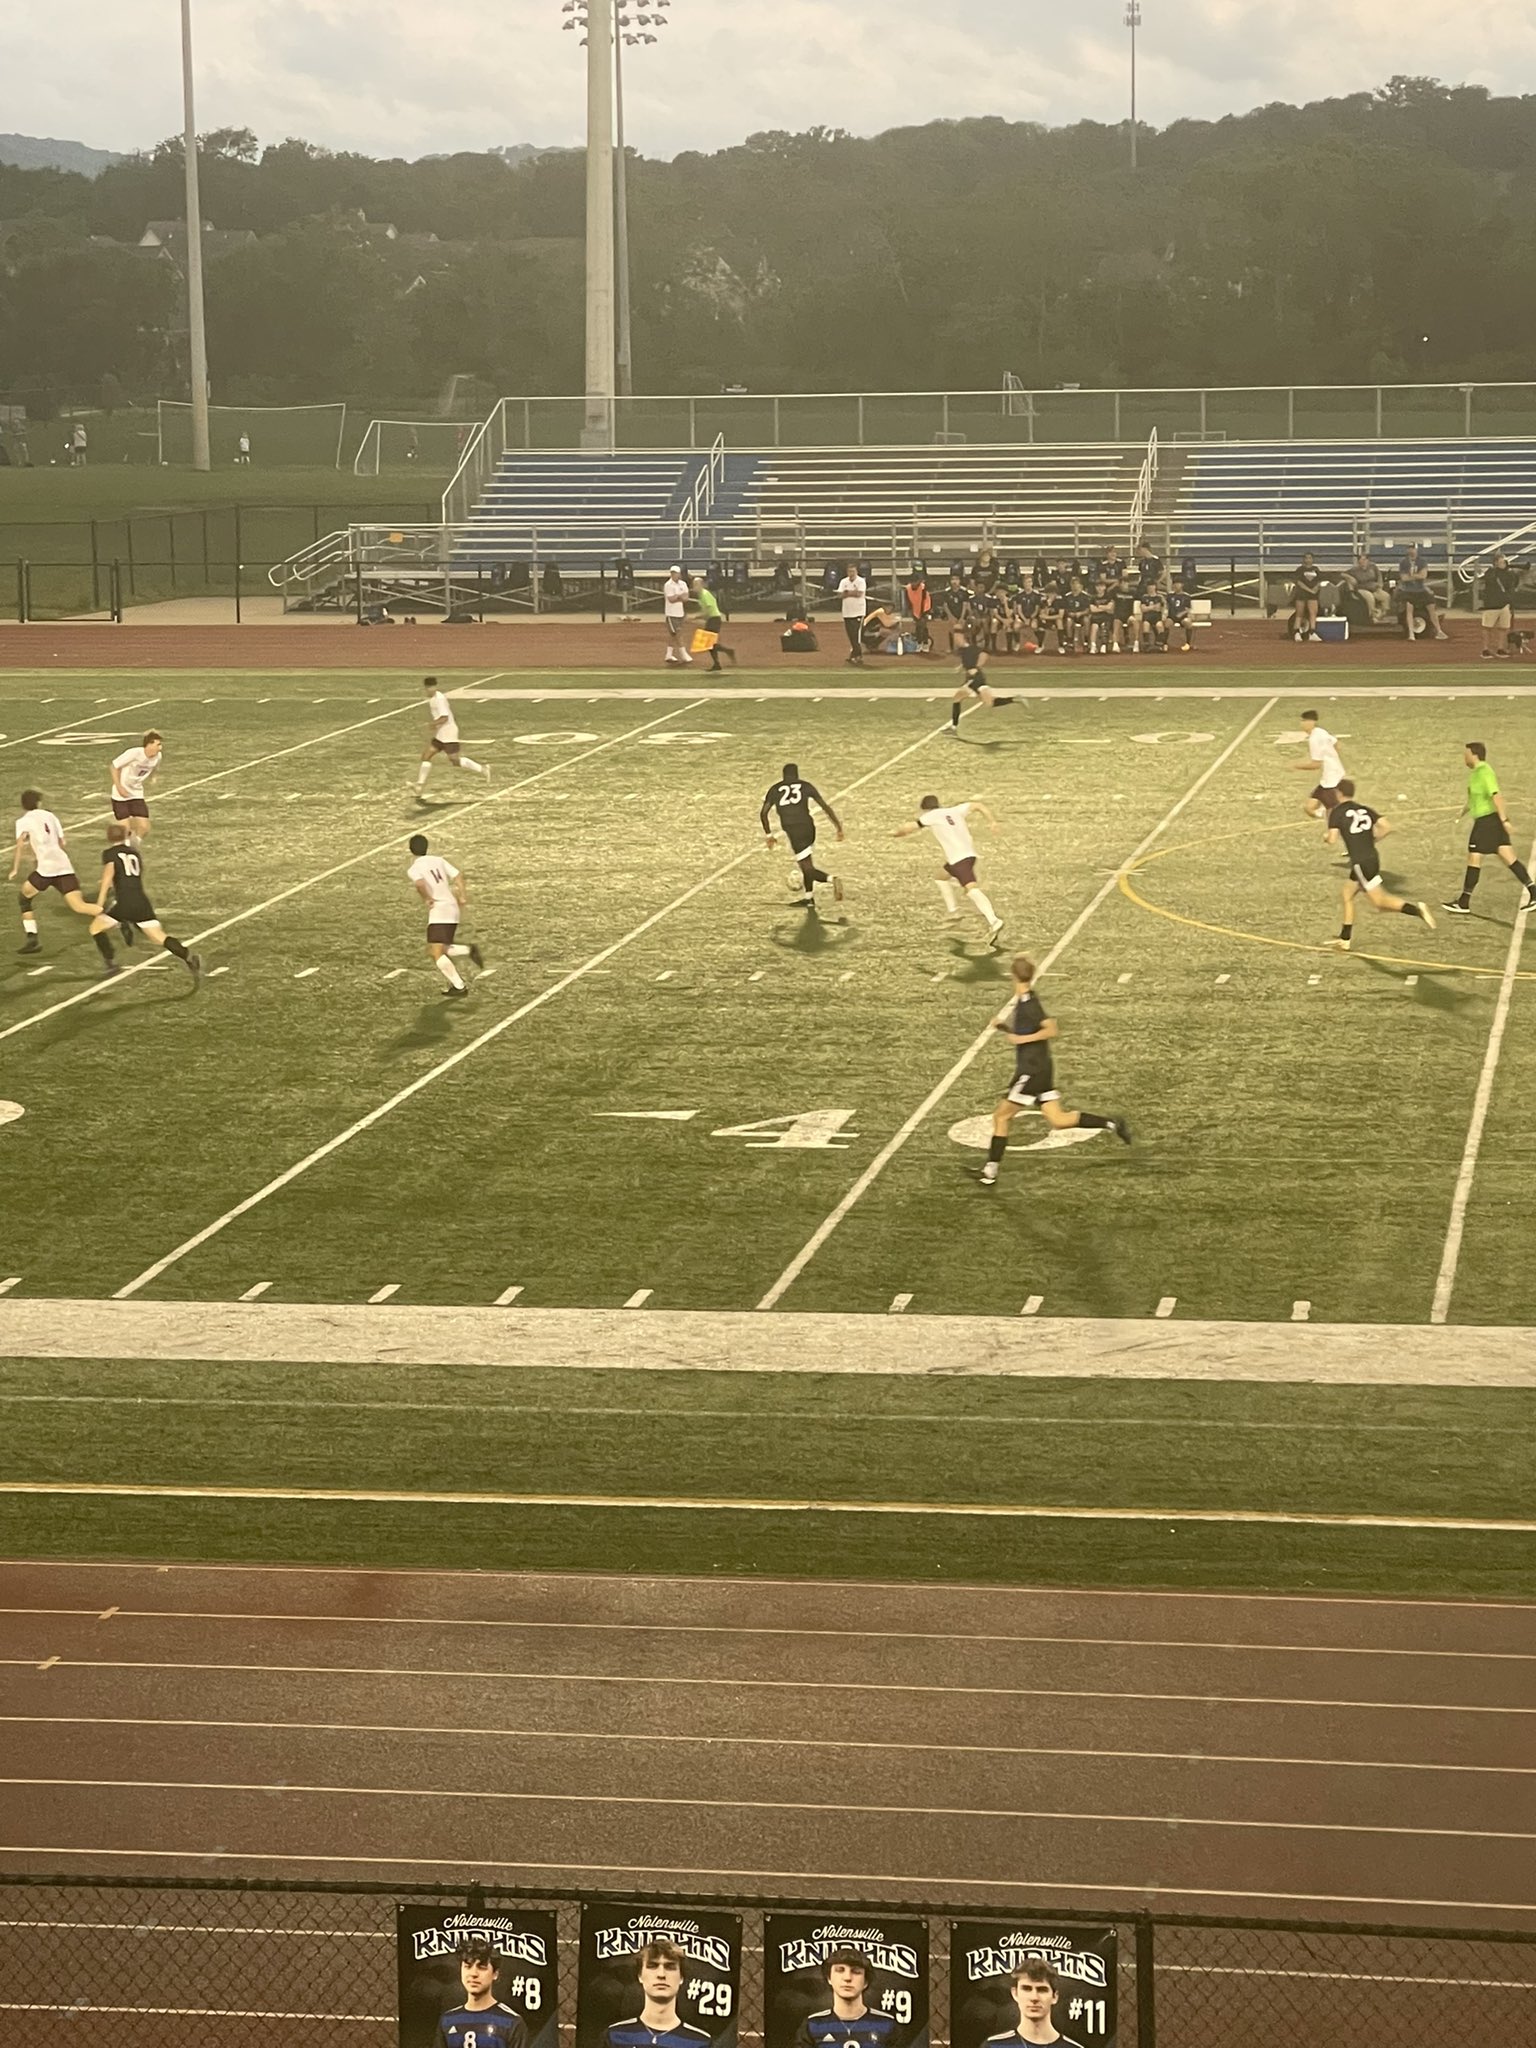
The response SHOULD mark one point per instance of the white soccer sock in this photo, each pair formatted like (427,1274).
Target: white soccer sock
(422,773)
(474,767)
(449,972)
(983,904)
(29,924)
(951,896)
(458,952)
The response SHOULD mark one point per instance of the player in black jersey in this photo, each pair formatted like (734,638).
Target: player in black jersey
(792,798)
(1029,1031)
(1356,827)
(1075,605)
(1181,615)
(483,2020)
(1101,618)
(848,2022)
(972,662)
(122,877)
(1154,620)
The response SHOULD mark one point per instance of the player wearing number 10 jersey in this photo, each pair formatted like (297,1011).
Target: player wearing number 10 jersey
(661,1969)
(848,2022)
(482,2021)
(122,875)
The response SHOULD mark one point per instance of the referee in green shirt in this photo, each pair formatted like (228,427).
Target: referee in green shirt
(712,619)
(1490,830)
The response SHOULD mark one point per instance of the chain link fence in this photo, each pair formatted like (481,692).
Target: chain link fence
(183,1965)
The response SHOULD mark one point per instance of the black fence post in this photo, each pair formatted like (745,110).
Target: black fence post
(95,570)
(357,592)
(23,592)
(1146,1981)
(133,588)
(237,565)
(602,595)
(1232,586)
(115,592)
(480,591)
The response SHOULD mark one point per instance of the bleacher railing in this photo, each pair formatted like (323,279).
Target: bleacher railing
(891,419)
(144,1963)
(701,503)
(1146,483)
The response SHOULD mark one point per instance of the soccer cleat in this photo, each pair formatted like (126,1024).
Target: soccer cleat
(1424,912)
(1530,902)
(195,966)
(995,933)
(1340,945)
(33,944)
(110,969)
(457,995)
(1121,1129)
(837,888)
(476,957)
(988,1175)
(1458,908)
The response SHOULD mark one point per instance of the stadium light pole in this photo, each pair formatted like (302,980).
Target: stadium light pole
(1133,23)
(633,29)
(597,18)
(197,333)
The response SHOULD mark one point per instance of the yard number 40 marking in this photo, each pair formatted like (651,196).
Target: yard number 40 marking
(812,1130)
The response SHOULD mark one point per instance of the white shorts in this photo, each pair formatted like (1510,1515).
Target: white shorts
(1500,620)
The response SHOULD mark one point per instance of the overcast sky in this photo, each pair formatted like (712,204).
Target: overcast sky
(394,77)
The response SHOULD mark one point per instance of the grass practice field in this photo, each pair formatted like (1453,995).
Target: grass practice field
(675,1090)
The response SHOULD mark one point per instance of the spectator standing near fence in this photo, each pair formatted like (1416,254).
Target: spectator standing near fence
(854,593)
(1499,583)
(243,451)
(77,445)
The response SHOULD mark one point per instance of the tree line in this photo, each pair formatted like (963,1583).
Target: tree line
(1386,237)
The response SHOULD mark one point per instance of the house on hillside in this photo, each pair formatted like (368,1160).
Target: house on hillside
(166,240)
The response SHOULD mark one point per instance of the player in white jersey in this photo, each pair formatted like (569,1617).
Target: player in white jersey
(1323,756)
(40,832)
(130,773)
(674,604)
(441,887)
(443,736)
(947,823)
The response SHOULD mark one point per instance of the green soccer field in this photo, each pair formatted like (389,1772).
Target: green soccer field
(675,1090)
(1301,1118)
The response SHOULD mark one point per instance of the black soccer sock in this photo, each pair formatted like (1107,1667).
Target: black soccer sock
(996,1149)
(1520,872)
(175,946)
(1412,910)
(1087,1121)
(1347,931)
(954,714)
(996,701)
(1468,884)
(103,946)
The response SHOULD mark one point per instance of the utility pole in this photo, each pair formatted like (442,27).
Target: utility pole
(623,349)
(1133,23)
(598,428)
(197,333)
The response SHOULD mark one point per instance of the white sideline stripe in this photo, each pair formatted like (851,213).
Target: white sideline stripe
(640,1297)
(498,1676)
(495,1030)
(1005,1511)
(935,1096)
(1450,1257)
(7,1285)
(692,1872)
(384,1293)
(1287,688)
(118,711)
(499,1797)
(355,860)
(255,1293)
(1167,1305)
(734,1342)
(613,1735)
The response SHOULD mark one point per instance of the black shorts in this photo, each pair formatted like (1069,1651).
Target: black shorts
(1033,1084)
(125,807)
(448,747)
(1328,798)
(65,884)
(802,842)
(134,910)
(1487,836)
(1125,610)
(442,934)
(974,680)
(1366,871)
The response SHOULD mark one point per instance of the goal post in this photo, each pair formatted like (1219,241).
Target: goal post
(279,436)
(399,447)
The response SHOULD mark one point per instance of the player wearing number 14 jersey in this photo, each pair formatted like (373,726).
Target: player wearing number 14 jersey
(661,1969)
(848,2022)
(483,2020)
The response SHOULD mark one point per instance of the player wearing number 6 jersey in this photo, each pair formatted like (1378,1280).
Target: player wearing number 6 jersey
(122,876)
(482,2021)
(1356,827)
(661,1969)
(1035,1988)
(948,825)
(848,2022)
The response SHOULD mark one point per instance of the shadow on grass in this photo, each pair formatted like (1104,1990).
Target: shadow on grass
(812,935)
(434,1022)
(1437,988)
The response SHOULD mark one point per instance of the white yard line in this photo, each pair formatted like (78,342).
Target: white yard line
(489,1035)
(43,731)
(936,1095)
(1450,1257)
(355,860)
(664,1503)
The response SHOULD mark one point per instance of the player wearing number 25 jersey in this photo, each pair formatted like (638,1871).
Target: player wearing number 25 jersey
(660,1968)
(848,2022)
(482,2021)
(1356,827)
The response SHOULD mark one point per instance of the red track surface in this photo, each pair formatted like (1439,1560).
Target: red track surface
(1319,1759)
(1242,643)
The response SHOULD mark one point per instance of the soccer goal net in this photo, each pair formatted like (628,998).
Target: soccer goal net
(396,447)
(266,436)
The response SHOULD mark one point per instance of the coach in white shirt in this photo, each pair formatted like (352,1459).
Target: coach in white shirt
(854,593)
(674,604)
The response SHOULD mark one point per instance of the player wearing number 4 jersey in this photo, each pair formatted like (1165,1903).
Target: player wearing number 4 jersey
(1036,1989)
(483,2020)
(1357,828)
(41,834)
(661,1969)
(122,877)
(1029,1031)
(947,823)
(848,2022)
(1490,831)
(441,887)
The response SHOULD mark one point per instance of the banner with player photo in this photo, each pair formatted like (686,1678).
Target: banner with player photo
(1012,1982)
(477,1980)
(845,1980)
(658,1978)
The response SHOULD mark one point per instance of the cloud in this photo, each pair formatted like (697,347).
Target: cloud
(390,77)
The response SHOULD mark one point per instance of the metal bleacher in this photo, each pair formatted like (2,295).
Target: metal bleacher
(583,511)
(1272,500)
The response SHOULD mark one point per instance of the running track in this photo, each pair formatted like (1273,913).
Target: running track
(1349,1759)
